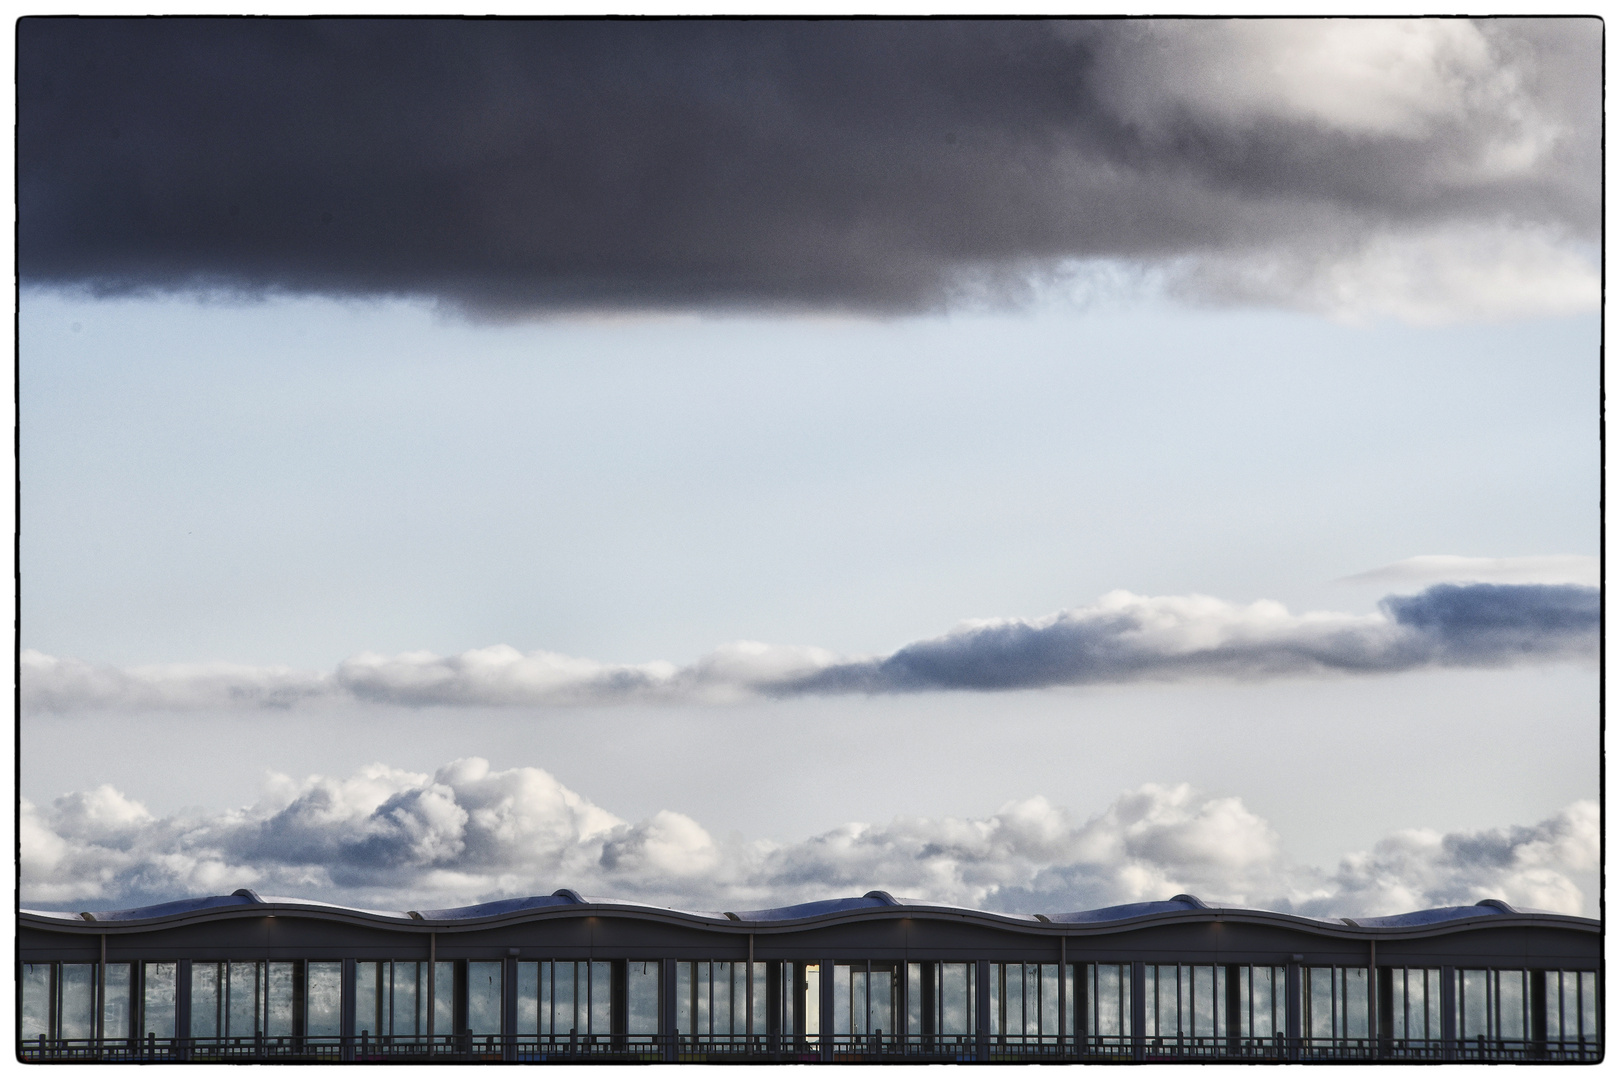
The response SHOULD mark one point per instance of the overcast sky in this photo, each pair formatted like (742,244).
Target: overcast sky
(750,459)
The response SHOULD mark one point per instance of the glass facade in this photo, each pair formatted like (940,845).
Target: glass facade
(565,997)
(1571,1011)
(323,999)
(712,999)
(60,1001)
(865,999)
(1409,1016)
(538,1009)
(1104,1006)
(1335,1003)
(1025,1002)
(941,999)
(391,998)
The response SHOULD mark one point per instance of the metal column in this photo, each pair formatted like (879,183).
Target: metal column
(1139,1010)
(666,1008)
(1448,1013)
(827,1021)
(346,996)
(981,1010)
(1295,981)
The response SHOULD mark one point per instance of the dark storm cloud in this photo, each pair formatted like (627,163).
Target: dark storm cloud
(508,166)
(1122,638)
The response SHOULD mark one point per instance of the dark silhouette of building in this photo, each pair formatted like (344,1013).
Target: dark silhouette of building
(567,978)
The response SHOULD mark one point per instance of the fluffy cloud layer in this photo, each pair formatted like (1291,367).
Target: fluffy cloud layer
(398,840)
(1121,638)
(1424,169)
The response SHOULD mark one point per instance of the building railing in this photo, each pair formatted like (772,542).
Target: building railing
(469,1048)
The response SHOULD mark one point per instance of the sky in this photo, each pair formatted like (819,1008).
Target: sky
(1030,465)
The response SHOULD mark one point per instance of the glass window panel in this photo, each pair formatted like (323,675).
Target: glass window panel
(914,977)
(880,1000)
(1012,999)
(1572,1005)
(407,998)
(1046,1022)
(1203,1001)
(1169,998)
(323,998)
(860,1019)
(1071,1003)
(205,1000)
(548,998)
(730,998)
(528,998)
(1124,1003)
(484,997)
(279,999)
(1111,998)
(642,991)
(955,1003)
(843,996)
(685,979)
(115,1011)
(157,1000)
(1029,1005)
(998,991)
(243,1009)
(36,1001)
(1354,992)
(1588,981)
(703,1010)
(812,1000)
(761,998)
(1259,1010)
(1319,1002)
(1427,1005)
(1471,1003)
(601,997)
(1510,999)
(77,1018)
(573,997)
(444,997)
(369,1001)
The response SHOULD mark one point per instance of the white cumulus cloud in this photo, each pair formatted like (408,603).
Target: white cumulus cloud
(395,839)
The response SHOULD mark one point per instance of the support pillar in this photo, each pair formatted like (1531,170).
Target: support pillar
(981,1011)
(347,1009)
(1448,1013)
(1295,1021)
(827,1007)
(1139,1010)
(666,1009)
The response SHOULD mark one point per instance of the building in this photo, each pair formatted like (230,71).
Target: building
(873,978)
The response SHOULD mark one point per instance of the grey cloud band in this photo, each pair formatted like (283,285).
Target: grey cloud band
(1121,638)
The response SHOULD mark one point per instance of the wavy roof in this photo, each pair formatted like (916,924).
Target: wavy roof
(873,904)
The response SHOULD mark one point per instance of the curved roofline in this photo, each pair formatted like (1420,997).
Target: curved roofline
(568,904)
